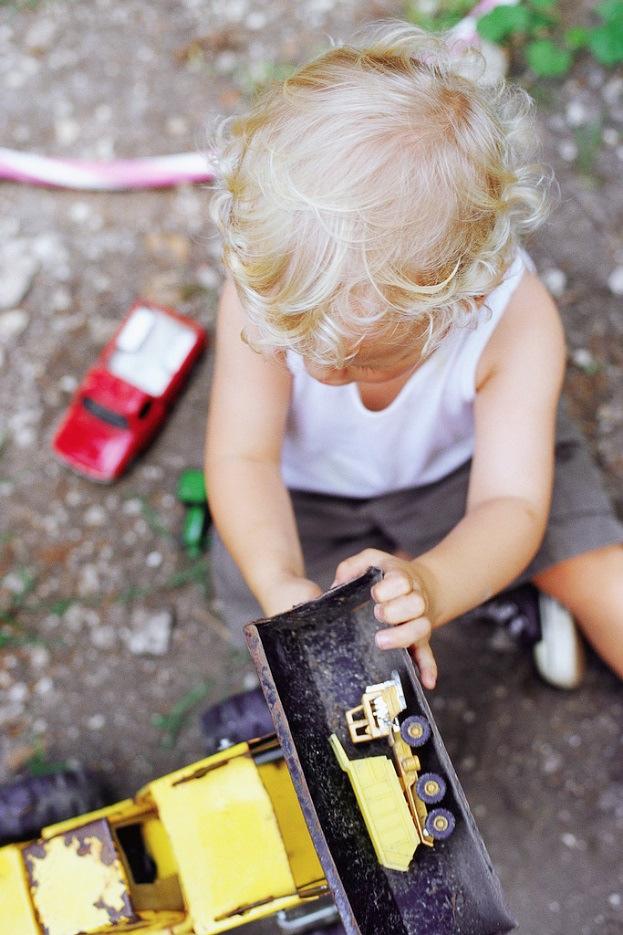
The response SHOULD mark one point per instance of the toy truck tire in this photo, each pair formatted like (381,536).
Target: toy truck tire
(440,824)
(430,788)
(415,730)
(236,719)
(30,803)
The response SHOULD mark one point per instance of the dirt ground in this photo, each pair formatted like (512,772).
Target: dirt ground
(84,567)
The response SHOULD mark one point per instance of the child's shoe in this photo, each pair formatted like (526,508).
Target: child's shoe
(559,655)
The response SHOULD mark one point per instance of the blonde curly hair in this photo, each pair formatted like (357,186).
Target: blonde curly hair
(380,190)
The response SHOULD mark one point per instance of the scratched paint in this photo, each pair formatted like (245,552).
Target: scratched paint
(99,893)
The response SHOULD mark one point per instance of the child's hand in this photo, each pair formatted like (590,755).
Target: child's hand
(402,599)
(285,593)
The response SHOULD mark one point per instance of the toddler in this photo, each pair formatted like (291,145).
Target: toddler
(388,365)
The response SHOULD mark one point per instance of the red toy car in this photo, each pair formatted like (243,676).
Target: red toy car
(124,398)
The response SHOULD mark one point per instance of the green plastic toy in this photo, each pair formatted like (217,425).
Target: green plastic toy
(191,492)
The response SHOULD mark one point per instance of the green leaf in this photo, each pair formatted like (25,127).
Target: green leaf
(503,22)
(611,11)
(543,4)
(606,44)
(547,59)
(576,37)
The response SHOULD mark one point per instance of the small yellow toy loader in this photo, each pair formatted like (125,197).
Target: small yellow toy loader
(392,798)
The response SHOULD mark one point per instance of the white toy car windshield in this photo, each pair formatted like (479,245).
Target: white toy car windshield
(150,349)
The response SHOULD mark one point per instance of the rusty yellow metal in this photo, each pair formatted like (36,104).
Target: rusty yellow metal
(306,868)
(383,806)
(126,811)
(99,889)
(227,836)
(16,910)
(226,841)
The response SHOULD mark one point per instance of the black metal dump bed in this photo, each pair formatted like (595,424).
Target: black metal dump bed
(314,662)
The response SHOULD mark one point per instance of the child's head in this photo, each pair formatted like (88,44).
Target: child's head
(376,193)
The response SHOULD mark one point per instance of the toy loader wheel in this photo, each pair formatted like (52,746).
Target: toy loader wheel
(30,803)
(415,730)
(430,788)
(440,824)
(235,719)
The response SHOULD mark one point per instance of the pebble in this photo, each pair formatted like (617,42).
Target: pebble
(68,383)
(17,693)
(17,271)
(177,126)
(104,637)
(610,136)
(149,633)
(567,150)
(584,360)
(207,277)
(576,114)
(555,280)
(66,131)
(154,560)
(95,516)
(96,722)
(39,657)
(132,507)
(41,35)
(615,281)
(13,323)
(615,900)
(44,686)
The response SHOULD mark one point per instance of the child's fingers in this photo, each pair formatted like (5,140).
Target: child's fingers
(404,634)
(425,661)
(354,566)
(406,607)
(395,583)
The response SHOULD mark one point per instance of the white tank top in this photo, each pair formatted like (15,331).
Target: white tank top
(333,444)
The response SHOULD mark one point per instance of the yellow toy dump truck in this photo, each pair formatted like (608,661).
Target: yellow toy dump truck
(393,797)
(203,850)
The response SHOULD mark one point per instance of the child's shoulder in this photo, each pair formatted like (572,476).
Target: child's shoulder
(529,333)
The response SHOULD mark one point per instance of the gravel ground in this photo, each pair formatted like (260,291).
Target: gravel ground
(84,567)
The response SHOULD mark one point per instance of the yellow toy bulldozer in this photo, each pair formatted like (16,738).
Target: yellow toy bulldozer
(202,850)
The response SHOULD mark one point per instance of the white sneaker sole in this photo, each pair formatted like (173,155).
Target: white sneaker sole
(559,655)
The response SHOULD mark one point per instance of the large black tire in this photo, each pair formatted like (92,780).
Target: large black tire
(237,718)
(30,803)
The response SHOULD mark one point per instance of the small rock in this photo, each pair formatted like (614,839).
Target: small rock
(615,281)
(95,516)
(256,20)
(96,722)
(567,150)
(17,271)
(177,126)
(79,211)
(40,36)
(44,686)
(615,900)
(17,693)
(39,657)
(103,113)
(68,383)
(104,637)
(576,113)
(150,633)
(12,323)
(154,560)
(555,280)
(584,360)
(66,131)
(610,136)
(207,277)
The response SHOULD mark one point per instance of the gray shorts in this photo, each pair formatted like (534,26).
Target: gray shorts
(414,520)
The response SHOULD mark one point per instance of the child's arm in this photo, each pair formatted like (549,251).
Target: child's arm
(518,384)
(249,503)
